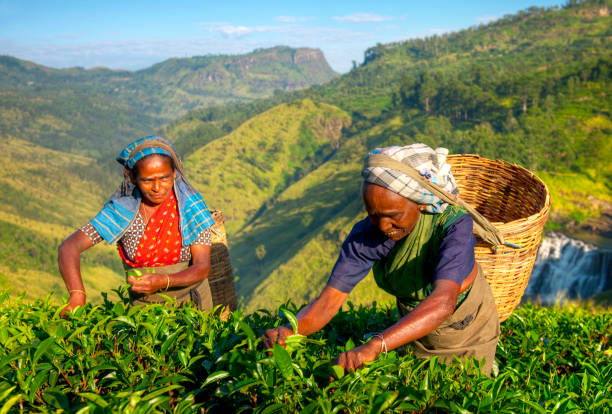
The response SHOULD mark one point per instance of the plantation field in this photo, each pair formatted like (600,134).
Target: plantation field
(112,357)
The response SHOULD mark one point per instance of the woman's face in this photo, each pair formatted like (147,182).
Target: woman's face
(393,214)
(154,176)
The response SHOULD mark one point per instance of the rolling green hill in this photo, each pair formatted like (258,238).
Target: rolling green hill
(85,111)
(45,194)
(540,100)
(533,88)
(247,169)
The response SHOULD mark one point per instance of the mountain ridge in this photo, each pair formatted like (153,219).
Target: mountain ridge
(84,110)
(540,101)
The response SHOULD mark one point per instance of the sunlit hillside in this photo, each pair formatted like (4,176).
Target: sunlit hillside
(45,195)
(552,115)
(79,110)
(532,88)
(243,172)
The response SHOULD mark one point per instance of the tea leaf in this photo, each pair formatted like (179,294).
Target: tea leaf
(337,371)
(168,342)
(42,348)
(95,398)
(283,361)
(10,403)
(291,318)
(215,376)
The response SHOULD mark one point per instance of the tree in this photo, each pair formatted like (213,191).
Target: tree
(427,90)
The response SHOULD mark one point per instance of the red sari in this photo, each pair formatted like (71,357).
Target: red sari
(161,242)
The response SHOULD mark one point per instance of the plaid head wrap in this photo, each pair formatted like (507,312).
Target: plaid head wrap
(117,214)
(430,164)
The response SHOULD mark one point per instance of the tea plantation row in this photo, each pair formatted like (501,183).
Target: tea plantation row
(114,357)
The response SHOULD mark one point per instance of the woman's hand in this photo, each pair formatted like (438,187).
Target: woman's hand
(148,283)
(311,318)
(354,359)
(76,299)
(276,336)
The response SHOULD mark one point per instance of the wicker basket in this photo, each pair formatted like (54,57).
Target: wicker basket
(220,277)
(517,203)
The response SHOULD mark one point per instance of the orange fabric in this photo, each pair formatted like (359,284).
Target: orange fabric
(161,242)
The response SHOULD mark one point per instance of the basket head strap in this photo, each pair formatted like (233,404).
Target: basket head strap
(487,231)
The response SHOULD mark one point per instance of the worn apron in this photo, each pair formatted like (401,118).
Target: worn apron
(407,271)
(198,293)
(471,331)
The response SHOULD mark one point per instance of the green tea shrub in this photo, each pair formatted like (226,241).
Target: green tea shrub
(117,358)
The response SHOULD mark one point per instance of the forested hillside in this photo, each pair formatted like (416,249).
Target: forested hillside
(86,111)
(533,88)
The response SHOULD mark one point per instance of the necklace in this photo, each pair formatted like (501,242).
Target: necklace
(143,213)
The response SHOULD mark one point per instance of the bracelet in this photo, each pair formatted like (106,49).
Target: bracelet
(77,290)
(383,344)
(168,285)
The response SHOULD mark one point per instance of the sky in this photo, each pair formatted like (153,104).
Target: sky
(136,34)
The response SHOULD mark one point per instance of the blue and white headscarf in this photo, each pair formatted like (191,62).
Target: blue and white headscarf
(128,157)
(117,214)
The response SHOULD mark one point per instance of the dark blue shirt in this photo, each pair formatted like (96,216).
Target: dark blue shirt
(366,244)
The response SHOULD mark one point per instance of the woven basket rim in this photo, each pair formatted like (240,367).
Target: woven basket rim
(547,202)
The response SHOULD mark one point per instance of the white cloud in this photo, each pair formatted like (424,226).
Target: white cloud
(230,30)
(286,19)
(363,18)
(287,34)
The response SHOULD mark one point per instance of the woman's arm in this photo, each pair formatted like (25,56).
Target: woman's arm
(311,318)
(425,318)
(198,271)
(69,263)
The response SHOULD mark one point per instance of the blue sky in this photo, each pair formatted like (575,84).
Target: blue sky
(136,34)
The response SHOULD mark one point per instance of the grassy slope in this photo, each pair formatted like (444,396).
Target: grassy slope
(44,197)
(303,230)
(248,168)
(291,196)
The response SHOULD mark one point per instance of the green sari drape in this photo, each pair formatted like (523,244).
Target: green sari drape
(407,271)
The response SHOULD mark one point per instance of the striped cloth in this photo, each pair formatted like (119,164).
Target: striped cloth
(128,160)
(117,214)
(431,164)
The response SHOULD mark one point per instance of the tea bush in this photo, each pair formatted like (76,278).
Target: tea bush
(117,358)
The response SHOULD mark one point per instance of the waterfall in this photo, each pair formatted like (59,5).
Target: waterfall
(568,268)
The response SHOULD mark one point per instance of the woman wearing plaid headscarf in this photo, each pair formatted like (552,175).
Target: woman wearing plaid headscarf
(160,224)
(419,245)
